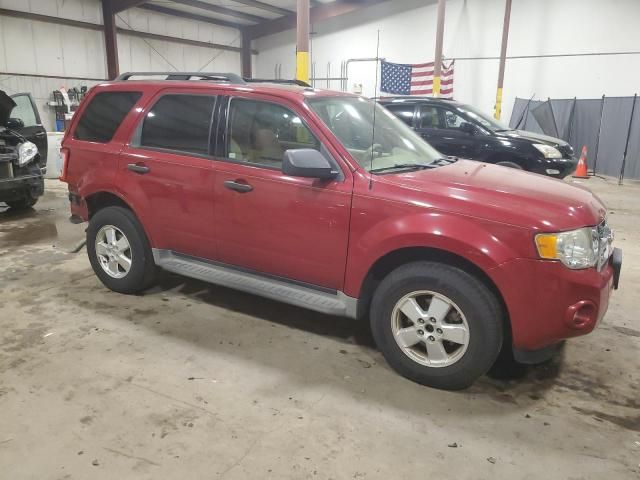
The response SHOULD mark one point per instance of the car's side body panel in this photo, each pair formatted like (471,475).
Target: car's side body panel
(329,234)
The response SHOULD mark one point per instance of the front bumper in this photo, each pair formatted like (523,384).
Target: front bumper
(548,302)
(17,188)
(556,167)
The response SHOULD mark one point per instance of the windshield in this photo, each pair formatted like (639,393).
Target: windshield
(485,120)
(395,146)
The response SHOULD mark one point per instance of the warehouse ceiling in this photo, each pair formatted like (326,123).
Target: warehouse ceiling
(255,18)
(241,12)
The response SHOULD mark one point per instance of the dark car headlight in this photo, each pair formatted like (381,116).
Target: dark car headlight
(548,151)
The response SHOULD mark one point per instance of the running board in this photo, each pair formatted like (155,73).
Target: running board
(295,294)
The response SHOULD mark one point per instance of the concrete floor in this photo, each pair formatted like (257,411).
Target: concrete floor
(197,381)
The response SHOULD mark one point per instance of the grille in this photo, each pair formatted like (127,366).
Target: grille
(605,243)
(6,170)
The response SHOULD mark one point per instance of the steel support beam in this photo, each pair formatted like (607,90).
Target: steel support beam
(120,5)
(503,58)
(437,68)
(302,40)
(220,10)
(122,31)
(188,15)
(110,39)
(245,56)
(323,11)
(267,7)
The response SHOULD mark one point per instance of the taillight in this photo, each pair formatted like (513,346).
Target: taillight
(64,152)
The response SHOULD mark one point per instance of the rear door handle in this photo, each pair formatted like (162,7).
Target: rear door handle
(141,169)
(238,187)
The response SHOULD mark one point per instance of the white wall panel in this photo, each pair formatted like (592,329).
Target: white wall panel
(61,51)
(473,28)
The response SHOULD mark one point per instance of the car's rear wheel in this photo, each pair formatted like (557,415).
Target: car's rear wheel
(437,324)
(119,251)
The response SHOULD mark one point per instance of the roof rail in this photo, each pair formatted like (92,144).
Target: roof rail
(219,77)
(277,80)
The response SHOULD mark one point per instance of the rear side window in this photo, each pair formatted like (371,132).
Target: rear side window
(103,115)
(404,111)
(179,122)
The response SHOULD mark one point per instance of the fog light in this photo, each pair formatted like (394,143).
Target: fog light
(581,315)
(551,171)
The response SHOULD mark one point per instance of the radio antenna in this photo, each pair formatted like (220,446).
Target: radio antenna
(375,101)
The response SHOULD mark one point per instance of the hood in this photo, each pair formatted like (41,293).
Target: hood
(535,137)
(6,106)
(499,194)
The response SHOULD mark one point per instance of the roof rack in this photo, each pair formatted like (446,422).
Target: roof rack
(218,77)
(300,83)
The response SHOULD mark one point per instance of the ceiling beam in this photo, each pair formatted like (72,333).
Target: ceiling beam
(264,6)
(319,13)
(122,31)
(220,10)
(185,41)
(188,15)
(120,5)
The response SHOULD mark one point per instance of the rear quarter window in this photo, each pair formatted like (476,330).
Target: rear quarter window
(103,115)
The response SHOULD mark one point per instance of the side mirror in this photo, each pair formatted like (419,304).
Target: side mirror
(309,163)
(468,128)
(15,124)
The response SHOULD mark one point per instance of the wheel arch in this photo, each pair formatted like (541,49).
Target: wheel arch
(102,199)
(394,259)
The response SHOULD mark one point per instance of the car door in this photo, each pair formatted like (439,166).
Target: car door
(32,129)
(447,131)
(268,222)
(167,171)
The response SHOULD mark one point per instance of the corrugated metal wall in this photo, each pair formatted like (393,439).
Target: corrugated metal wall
(40,48)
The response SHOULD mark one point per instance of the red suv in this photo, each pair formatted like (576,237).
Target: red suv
(326,201)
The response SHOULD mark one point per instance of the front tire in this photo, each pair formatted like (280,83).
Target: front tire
(27,202)
(119,251)
(436,324)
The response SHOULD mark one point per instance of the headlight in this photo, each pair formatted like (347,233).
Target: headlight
(576,249)
(26,152)
(548,151)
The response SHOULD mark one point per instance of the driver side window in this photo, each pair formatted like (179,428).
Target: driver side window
(452,121)
(260,132)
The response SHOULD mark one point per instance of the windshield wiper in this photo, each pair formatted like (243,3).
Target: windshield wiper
(438,162)
(404,166)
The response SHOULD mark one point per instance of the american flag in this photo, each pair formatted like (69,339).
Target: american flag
(415,79)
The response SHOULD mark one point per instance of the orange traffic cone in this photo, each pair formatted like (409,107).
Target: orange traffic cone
(581,170)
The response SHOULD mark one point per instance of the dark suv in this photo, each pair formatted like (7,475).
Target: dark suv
(23,151)
(287,192)
(463,131)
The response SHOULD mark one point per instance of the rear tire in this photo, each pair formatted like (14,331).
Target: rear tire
(119,251)
(443,355)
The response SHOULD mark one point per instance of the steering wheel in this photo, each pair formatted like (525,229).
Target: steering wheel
(374,149)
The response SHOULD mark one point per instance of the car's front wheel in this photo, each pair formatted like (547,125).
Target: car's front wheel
(27,201)
(119,251)
(437,324)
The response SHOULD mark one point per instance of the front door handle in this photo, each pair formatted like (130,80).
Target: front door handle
(238,187)
(141,169)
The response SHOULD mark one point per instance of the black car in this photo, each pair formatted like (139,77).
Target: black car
(23,151)
(460,130)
